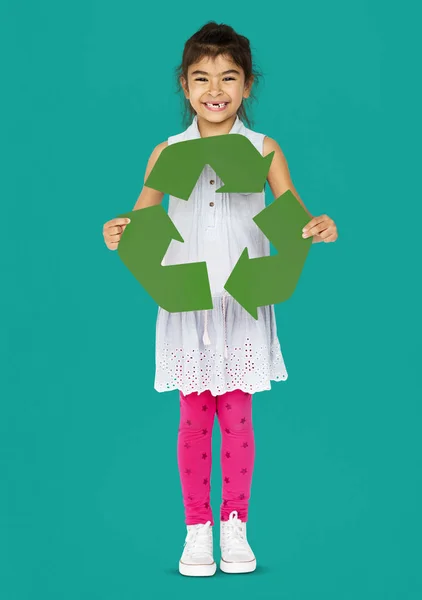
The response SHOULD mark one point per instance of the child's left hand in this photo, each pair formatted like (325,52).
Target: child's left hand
(322,228)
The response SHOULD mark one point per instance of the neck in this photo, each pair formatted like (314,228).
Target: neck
(208,129)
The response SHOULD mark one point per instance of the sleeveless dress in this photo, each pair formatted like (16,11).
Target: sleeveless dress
(224,348)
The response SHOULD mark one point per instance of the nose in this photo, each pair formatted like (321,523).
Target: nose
(214,87)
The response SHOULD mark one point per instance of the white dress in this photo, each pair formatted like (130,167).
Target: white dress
(224,348)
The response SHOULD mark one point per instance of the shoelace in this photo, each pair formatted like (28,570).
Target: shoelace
(233,533)
(199,539)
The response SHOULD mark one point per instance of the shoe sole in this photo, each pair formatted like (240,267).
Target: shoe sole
(197,570)
(238,567)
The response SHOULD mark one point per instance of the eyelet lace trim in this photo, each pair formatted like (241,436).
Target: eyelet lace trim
(197,371)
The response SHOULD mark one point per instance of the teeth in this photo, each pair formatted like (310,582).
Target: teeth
(213,105)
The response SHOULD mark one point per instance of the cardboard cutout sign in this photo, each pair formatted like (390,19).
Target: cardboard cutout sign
(253,282)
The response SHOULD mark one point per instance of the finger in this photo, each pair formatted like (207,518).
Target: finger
(115,230)
(117,221)
(120,221)
(331,238)
(329,235)
(309,224)
(314,222)
(321,226)
(314,230)
(112,245)
(313,227)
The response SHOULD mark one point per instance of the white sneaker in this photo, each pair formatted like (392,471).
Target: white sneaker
(197,558)
(236,554)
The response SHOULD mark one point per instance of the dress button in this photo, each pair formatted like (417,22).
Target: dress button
(211,203)
(212,181)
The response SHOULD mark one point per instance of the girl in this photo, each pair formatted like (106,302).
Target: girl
(217,359)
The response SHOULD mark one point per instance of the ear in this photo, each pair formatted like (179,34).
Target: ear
(184,85)
(248,87)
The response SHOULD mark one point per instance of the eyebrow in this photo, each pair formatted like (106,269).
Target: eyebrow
(223,73)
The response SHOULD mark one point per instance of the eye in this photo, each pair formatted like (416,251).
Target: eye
(204,78)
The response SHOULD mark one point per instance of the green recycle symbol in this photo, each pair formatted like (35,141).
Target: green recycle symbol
(252,282)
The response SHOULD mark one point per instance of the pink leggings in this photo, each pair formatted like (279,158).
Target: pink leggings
(234,413)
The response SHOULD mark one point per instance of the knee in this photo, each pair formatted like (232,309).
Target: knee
(237,421)
(195,427)
(236,427)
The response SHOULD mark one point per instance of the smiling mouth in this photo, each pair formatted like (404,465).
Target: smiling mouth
(215,105)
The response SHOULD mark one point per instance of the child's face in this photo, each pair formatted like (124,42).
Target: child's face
(213,85)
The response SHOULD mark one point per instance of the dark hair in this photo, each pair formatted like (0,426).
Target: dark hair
(213,40)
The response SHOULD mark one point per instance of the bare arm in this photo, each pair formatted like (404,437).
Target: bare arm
(279,178)
(148,196)
(114,228)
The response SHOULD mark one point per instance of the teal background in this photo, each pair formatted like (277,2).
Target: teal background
(90,506)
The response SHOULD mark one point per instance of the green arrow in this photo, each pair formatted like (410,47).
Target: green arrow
(232,156)
(142,247)
(272,279)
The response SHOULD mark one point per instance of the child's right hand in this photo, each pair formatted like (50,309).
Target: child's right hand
(113,230)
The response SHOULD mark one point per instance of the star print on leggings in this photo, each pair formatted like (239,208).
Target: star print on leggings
(243,420)
(245,445)
(228,454)
(243,471)
(207,505)
(204,455)
(242,497)
(204,407)
(228,406)
(187,445)
(190,498)
(227,480)
(189,422)
(188,471)
(225,502)
(205,481)
(227,430)
(204,431)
